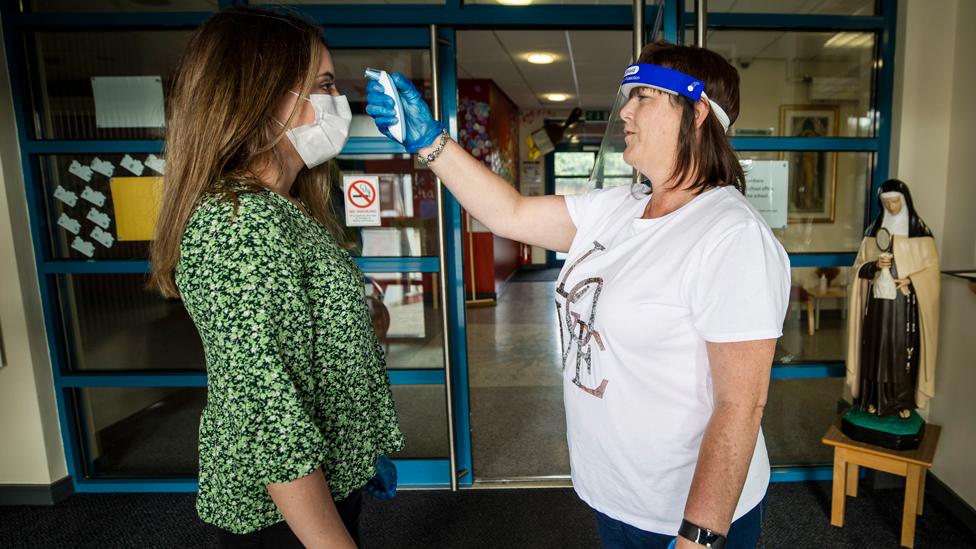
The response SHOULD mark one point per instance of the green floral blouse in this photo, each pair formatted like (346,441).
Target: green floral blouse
(297,378)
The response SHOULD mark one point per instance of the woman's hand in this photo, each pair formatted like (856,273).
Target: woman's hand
(884,261)
(420,128)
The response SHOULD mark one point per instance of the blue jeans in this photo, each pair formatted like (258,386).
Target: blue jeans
(743,534)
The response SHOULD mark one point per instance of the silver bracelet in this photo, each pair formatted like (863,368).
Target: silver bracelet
(430,157)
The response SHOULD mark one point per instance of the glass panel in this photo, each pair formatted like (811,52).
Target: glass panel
(408,207)
(141,432)
(350,64)
(797,7)
(154,432)
(801,84)
(798,413)
(347,2)
(66,63)
(562,2)
(573,164)
(120,5)
(80,231)
(412,337)
(825,199)
(422,410)
(113,322)
(816,327)
(407,200)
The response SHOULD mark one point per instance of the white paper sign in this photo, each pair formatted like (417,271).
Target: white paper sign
(361,193)
(93,196)
(69,224)
(103,167)
(84,172)
(132,165)
(83,246)
(66,196)
(156,163)
(767,188)
(128,101)
(102,237)
(99,218)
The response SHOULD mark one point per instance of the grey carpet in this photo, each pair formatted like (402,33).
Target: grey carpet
(797,518)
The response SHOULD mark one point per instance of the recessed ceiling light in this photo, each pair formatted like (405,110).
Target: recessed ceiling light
(557,97)
(514,2)
(541,58)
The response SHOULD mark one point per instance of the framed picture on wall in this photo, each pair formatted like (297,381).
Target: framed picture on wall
(813,174)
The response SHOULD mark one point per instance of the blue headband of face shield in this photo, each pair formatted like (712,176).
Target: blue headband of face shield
(670,81)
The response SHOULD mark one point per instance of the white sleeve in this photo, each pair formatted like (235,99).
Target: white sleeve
(741,290)
(581,207)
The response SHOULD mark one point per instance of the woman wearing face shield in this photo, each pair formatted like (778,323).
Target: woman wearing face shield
(299,411)
(669,305)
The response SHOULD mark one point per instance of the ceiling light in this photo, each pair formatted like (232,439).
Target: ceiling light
(850,40)
(557,97)
(541,58)
(514,2)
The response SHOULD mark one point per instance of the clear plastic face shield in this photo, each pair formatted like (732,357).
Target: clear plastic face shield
(610,159)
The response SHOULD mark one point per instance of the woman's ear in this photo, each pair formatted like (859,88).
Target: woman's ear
(701,111)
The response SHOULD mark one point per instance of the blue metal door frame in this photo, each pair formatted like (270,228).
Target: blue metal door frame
(404,27)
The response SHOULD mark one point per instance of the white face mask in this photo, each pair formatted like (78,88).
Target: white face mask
(323,139)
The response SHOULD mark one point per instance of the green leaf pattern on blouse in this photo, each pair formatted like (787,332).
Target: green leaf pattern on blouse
(297,377)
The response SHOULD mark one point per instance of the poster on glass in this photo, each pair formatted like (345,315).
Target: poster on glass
(813,174)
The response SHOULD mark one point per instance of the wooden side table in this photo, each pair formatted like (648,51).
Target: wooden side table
(850,455)
(813,304)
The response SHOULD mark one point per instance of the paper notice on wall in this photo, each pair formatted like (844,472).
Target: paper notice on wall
(767,184)
(156,164)
(128,101)
(69,224)
(83,172)
(66,196)
(136,201)
(361,193)
(99,218)
(93,196)
(83,246)
(132,165)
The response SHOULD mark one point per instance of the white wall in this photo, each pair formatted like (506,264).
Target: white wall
(29,432)
(934,118)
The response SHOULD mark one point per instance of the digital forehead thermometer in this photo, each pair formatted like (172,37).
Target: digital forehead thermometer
(397,131)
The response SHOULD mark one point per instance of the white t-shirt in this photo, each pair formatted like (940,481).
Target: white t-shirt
(637,299)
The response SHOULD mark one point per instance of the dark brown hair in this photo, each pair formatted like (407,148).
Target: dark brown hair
(231,78)
(704,153)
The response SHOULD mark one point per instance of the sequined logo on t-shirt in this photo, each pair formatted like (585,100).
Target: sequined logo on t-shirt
(576,331)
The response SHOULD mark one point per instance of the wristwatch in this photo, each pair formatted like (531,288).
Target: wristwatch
(701,536)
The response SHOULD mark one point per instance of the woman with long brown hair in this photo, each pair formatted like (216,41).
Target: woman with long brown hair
(298,406)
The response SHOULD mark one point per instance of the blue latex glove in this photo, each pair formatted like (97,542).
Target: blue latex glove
(673,543)
(383,485)
(421,128)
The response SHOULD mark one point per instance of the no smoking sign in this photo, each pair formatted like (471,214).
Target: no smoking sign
(361,194)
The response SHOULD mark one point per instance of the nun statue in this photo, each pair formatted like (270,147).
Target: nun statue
(893,325)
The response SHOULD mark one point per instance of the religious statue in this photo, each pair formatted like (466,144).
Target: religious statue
(893,325)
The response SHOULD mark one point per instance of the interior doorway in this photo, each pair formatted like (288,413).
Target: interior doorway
(512,84)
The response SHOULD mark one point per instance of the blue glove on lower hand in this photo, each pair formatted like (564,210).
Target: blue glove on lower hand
(383,484)
(421,128)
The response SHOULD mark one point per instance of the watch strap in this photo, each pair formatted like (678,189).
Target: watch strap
(701,536)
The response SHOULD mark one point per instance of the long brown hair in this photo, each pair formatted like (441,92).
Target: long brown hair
(706,152)
(231,78)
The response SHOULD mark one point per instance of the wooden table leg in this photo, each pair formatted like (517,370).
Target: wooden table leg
(852,474)
(908,515)
(921,490)
(840,478)
(810,318)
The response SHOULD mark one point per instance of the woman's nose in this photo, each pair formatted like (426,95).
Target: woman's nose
(627,111)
